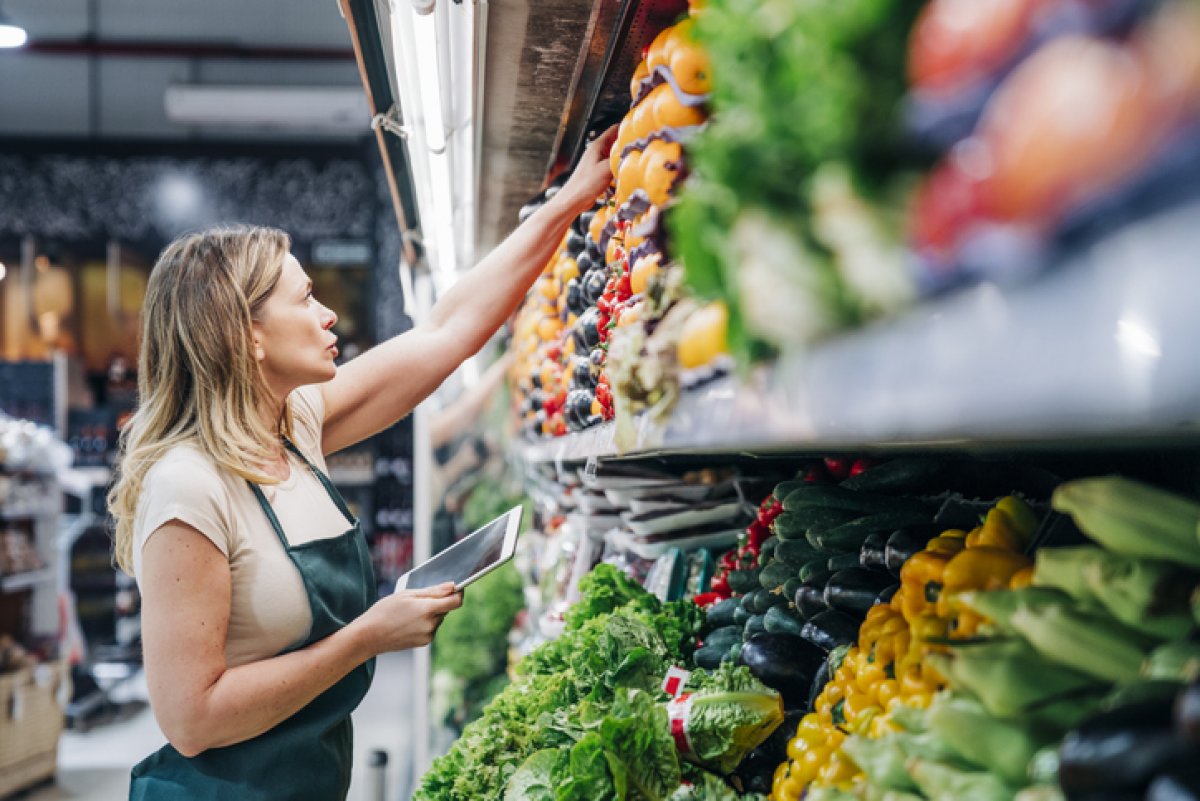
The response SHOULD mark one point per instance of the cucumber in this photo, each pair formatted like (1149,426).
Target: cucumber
(767,549)
(724,637)
(817,517)
(760,601)
(789,588)
(829,629)
(743,581)
(841,561)
(784,488)
(775,574)
(796,552)
(815,567)
(911,474)
(740,615)
(823,495)
(708,657)
(753,626)
(854,590)
(778,620)
(720,614)
(851,536)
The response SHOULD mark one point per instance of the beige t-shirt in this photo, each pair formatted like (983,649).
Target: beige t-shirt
(269,607)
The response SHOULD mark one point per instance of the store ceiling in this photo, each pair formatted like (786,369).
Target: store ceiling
(101,68)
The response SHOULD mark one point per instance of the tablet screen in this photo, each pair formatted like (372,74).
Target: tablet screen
(464,559)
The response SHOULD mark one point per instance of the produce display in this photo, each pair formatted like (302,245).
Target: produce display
(595,327)
(912,628)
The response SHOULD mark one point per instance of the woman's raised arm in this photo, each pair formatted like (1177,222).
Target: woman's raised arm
(374,390)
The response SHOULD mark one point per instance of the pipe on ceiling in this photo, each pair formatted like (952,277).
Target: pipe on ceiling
(185,49)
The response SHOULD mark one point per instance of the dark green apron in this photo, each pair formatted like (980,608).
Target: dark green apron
(307,757)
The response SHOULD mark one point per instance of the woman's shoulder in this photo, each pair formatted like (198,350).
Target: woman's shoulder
(185,469)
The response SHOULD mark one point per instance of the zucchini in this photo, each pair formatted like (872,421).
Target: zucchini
(810,598)
(841,561)
(720,614)
(767,549)
(778,620)
(708,657)
(743,581)
(903,543)
(851,536)
(840,498)
(911,474)
(724,637)
(829,629)
(796,552)
(753,626)
(873,553)
(855,589)
(775,574)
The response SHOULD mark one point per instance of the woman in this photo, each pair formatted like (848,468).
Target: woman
(258,622)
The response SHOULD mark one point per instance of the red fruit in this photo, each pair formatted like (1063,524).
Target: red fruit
(815,475)
(706,599)
(958,42)
(720,585)
(624,288)
(759,532)
(860,466)
(838,467)
(947,204)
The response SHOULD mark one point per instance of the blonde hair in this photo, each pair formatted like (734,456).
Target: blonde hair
(199,382)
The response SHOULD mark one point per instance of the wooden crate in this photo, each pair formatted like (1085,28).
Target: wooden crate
(31,721)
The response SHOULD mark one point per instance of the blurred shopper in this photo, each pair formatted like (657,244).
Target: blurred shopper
(259,620)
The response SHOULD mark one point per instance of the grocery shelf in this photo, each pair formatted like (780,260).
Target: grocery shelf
(1101,348)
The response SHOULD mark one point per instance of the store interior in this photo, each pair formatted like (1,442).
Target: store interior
(856,424)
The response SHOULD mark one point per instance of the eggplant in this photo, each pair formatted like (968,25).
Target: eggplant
(820,679)
(758,768)
(903,543)
(1187,713)
(1176,786)
(1121,750)
(887,594)
(784,662)
(873,554)
(830,629)
(855,589)
(810,598)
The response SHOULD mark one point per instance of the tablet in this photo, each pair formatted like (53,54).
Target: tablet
(471,558)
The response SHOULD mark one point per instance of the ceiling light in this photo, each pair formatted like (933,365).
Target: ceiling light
(11,34)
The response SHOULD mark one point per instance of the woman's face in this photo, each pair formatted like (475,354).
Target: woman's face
(292,337)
